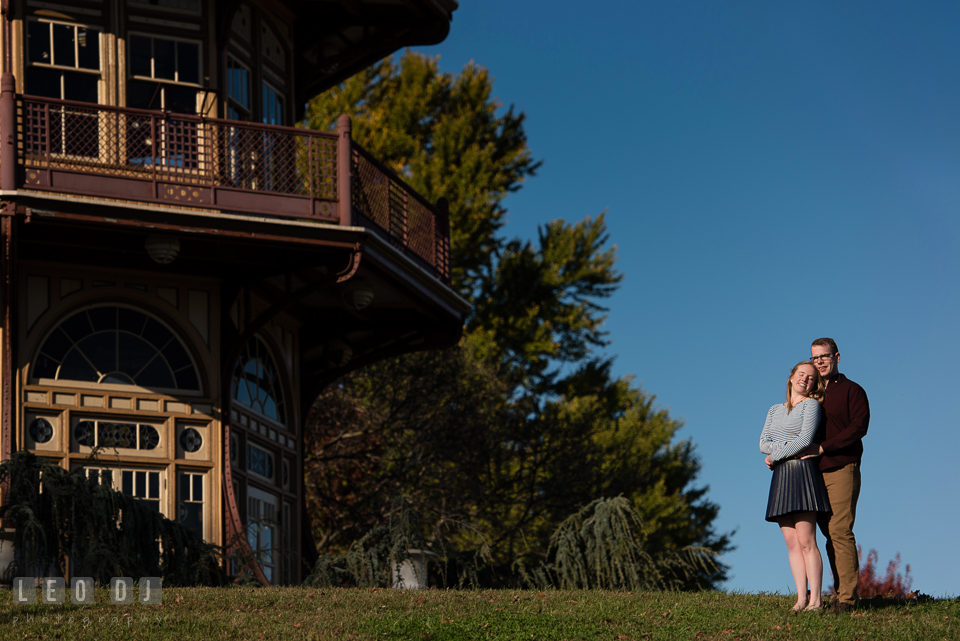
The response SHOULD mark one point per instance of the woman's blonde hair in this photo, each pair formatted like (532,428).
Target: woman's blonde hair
(815,393)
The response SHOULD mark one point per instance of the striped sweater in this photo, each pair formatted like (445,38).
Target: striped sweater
(786,434)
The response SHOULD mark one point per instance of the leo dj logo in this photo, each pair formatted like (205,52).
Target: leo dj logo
(53,590)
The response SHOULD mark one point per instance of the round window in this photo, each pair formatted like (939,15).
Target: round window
(190,440)
(149,437)
(84,433)
(41,431)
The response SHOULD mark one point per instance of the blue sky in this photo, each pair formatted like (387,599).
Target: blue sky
(772,172)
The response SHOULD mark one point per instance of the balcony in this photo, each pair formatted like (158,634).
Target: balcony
(191,161)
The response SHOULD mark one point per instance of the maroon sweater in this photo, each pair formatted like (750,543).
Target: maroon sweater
(846,414)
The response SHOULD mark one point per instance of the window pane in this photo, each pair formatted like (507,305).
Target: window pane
(272,107)
(140,56)
(155,333)
(256,384)
(117,378)
(63,53)
(45,367)
(238,83)
(103,318)
(88,48)
(43,82)
(57,345)
(90,344)
(164,61)
(77,326)
(149,437)
(184,487)
(116,434)
(191,516)
(76,368)
(141,490)
(180,99)
(186,5)
(188,62)
(128,482)
(258,461)
(187,379)
(84,433)
(143,95)
(83,87)
(134,352)
(197,487)
(156,375)
(38,41)
(101,351)
(154,478)
(176,355)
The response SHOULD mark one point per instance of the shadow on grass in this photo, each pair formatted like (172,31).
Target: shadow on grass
(881,602)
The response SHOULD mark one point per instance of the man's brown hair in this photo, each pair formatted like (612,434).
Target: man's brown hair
(826,342)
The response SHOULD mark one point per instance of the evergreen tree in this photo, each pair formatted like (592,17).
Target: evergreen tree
(443,135)
(521,426)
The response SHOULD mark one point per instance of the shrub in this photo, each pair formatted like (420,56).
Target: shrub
(58,514)
(891,585)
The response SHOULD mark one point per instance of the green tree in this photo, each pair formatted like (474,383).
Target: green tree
(442,134)
(522,425)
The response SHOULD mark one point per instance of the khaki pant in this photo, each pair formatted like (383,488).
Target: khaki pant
(843,488)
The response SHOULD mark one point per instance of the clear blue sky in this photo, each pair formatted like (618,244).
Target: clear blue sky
(773,172)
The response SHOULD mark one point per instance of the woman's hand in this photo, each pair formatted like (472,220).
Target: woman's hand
(768,462)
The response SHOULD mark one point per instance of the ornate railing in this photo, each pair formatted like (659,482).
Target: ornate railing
(191,161)
(381,200)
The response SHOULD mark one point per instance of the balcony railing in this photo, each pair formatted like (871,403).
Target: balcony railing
(192,161)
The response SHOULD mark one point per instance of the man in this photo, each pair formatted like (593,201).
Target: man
(846,415)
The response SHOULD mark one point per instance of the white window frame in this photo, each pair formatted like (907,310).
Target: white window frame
(117,483)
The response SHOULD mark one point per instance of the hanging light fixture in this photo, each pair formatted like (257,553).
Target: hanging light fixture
(359,296)
(162,249)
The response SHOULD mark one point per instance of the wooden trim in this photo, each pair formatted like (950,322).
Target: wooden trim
(8,398)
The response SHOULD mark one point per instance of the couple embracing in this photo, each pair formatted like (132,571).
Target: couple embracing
(813,445)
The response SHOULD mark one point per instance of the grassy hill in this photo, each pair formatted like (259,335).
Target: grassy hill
(320,614)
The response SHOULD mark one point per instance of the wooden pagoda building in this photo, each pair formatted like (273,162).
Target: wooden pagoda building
(183,270)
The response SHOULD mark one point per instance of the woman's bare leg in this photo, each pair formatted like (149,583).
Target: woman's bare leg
(805,526)
(798,565)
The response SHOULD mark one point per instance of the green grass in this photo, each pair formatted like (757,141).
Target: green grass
(315,615)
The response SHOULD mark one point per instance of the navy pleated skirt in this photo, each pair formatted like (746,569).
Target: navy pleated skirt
(797,486)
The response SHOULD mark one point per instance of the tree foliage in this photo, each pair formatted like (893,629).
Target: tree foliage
(523,424)
(374,559)
(601,546)
(56,514)
(890,585)
(443,134)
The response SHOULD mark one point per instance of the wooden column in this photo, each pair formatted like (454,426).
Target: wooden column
(7,369)
(344,170)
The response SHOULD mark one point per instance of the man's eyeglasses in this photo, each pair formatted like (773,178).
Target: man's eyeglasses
(820,357)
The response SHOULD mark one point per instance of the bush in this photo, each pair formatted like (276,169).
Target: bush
(58,514)
(891,585)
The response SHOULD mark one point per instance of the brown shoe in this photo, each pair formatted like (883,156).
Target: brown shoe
(840,607)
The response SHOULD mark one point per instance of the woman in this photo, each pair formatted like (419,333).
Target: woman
(796,491)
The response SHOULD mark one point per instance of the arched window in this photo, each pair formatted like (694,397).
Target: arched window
(256,382)
(117,345)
